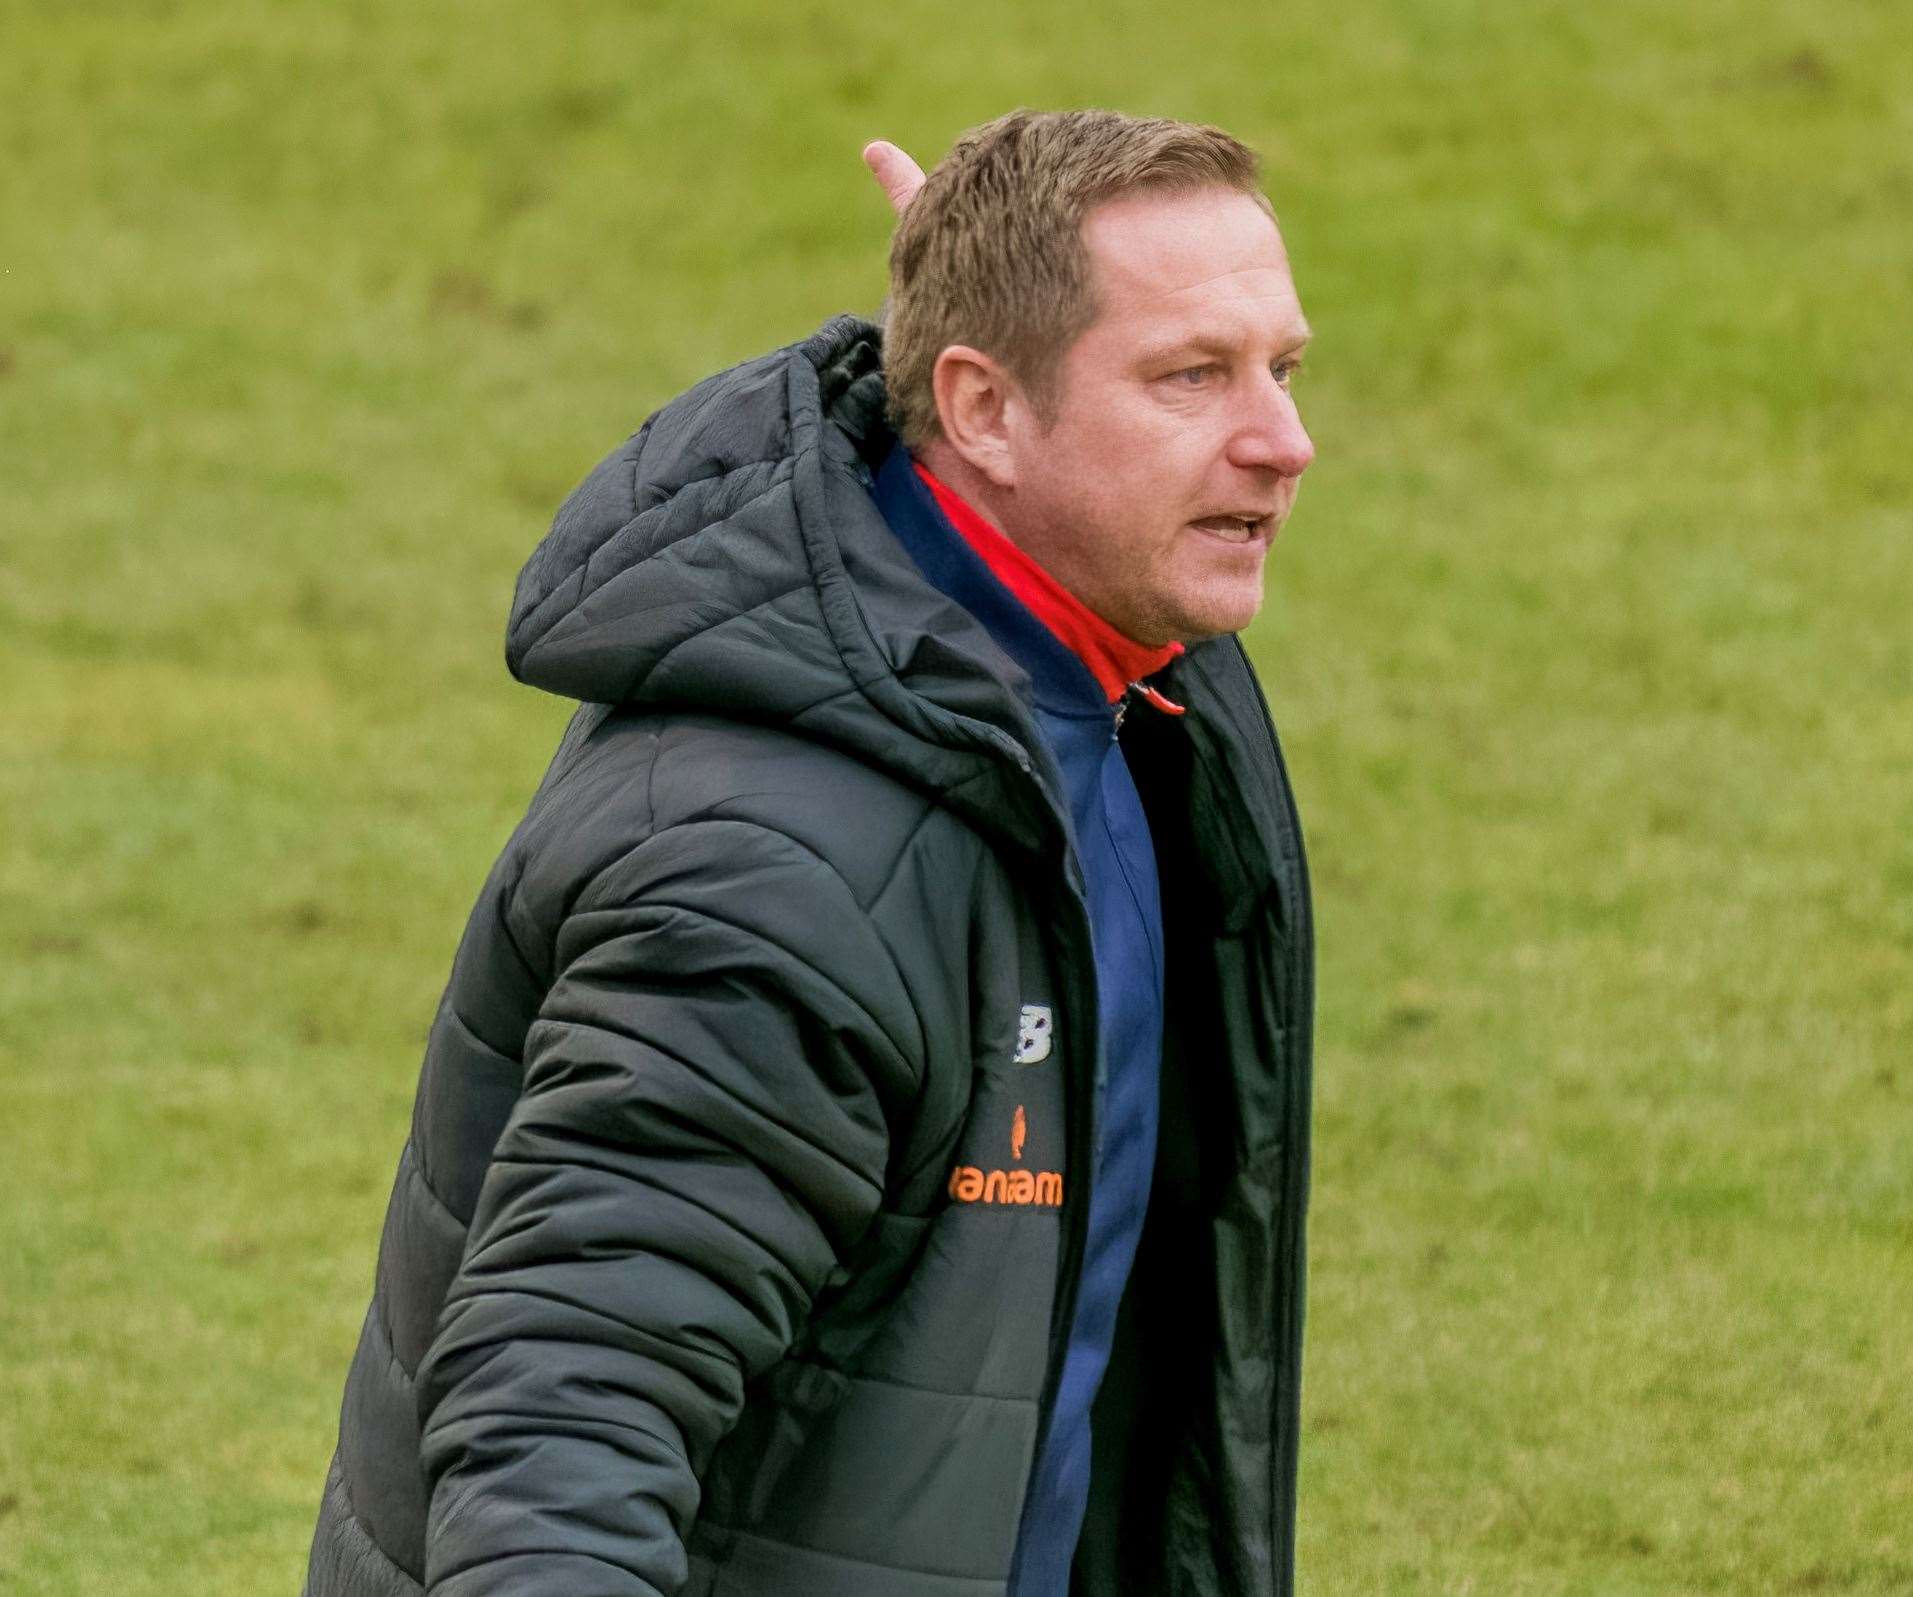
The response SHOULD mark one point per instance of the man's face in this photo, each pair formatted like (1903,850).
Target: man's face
(1176,449)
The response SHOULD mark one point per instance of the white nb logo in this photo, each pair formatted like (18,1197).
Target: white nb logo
(1033,1034)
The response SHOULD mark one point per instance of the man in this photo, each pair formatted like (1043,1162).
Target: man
(862,1148)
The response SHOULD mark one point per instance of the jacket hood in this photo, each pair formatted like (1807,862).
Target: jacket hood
(728,558)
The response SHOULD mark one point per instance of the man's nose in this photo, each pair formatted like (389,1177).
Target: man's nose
(1270,433)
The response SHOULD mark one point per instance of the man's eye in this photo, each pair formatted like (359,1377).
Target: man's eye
(1193,376)
(1286,371)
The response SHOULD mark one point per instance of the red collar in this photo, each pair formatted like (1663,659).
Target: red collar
(1116,661)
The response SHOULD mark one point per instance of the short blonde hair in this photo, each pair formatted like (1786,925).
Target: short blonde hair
(990,253)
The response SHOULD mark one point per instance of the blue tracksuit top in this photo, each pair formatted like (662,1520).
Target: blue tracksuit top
(1112,842)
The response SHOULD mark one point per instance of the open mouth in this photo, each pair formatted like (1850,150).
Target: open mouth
(1235,529)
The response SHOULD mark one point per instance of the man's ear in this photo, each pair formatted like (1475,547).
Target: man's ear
(976,404)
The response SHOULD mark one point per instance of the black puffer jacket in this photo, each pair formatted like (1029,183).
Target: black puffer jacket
(695,1279)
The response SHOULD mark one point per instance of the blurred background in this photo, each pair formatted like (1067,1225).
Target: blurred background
(1590,642)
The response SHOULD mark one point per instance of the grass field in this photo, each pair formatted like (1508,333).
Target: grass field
(1590,641)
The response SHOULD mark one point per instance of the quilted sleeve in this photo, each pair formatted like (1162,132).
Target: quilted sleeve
(702,1134)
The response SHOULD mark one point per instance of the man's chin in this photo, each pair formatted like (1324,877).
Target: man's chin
(1199,623)
(1224,607)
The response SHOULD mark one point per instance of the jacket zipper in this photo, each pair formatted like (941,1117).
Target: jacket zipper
(1295,1161)
(1081,1124)
(1080,1128)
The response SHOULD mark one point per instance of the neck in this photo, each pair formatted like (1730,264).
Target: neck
(996,505)
(1116,661)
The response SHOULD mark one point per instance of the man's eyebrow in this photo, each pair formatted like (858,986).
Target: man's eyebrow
(1208,344)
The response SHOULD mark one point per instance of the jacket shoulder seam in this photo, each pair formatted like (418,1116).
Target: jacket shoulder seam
(902,1053)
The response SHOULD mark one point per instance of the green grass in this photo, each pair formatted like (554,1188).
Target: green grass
(1590,641)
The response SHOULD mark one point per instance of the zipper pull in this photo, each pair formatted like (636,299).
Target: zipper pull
(1122,709)
(1166,705)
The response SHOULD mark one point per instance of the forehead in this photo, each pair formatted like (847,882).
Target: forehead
(1204,263)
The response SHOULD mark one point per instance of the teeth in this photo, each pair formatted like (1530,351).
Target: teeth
(1235,529)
